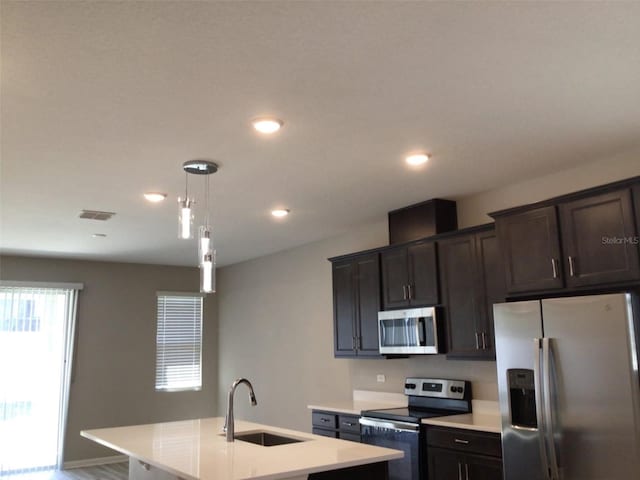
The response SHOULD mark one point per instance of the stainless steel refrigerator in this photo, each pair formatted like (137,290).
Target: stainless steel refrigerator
(569,388)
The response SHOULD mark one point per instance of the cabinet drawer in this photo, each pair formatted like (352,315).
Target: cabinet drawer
(352,437)
(465,441)
(349,423)
(325,433)
(324,420)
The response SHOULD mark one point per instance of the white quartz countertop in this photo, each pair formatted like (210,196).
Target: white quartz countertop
(362,400)
(468,421)
(354,407)
(197,449)
(485,418)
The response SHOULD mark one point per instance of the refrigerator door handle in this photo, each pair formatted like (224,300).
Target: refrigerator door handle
(537,356)
(548,414)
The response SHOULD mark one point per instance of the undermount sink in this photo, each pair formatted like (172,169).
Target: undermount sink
(266,439)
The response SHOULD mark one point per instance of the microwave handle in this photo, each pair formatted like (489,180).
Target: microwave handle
(422,334)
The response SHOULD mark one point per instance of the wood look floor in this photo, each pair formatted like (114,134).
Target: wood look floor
(114,471)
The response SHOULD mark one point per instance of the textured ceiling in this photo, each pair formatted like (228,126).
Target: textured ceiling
(101,101)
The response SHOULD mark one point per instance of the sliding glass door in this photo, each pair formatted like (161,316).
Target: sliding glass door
(36,339)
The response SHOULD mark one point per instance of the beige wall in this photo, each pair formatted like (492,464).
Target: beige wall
(275,313)
(115,357)
(472,210)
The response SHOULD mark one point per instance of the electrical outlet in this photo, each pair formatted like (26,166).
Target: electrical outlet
(381,378)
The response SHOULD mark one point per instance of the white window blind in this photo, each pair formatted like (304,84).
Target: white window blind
(37,325)
(179,342)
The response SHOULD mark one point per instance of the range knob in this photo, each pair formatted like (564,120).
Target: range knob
(410,386)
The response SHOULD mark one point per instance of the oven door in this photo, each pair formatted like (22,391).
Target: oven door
(399,436)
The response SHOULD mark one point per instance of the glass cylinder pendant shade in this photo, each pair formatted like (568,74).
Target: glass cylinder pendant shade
(185,218)
(205,242)
(208,273)
(207,260)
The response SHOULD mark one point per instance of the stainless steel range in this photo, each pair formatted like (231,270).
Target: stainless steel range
(400,428)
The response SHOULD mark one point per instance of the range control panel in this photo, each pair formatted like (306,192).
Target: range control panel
(439,388)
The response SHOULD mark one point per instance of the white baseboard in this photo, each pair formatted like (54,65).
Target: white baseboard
(92,462)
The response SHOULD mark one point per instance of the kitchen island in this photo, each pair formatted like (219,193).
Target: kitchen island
(197,449)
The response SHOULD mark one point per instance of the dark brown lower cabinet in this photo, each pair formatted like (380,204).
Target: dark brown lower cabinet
(451,465)
(454,454)
(371,471)
(336,425)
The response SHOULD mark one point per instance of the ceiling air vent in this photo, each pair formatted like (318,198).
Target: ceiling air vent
(96,215)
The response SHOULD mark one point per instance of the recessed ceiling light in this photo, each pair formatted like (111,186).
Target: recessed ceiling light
(99,235)
(155,197)
(280,212)
(415,159)
(267,125)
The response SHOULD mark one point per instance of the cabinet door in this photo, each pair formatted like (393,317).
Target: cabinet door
(491,284)
(395,278)
(482,468)
(445,464)
(530,248)
(597,238)
(344,309)
(367,282)
(458,279)
(423,274)
(636,203)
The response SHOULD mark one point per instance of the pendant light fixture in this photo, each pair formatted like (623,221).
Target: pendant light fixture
(185,215)
(206,250)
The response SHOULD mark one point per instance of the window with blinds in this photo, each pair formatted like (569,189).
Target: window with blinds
(179,342)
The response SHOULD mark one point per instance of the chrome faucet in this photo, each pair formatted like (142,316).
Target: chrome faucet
(228,419)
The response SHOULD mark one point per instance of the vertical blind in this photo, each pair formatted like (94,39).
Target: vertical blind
(36,346)
(179,342)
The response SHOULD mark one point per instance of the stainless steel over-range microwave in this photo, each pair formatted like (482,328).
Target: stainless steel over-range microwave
(408,332)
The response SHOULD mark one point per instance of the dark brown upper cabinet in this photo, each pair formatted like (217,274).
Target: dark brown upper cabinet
(586,239)
(597,239)
(530,245)
(356,302)
(636,204)
(471,281)
(409,276)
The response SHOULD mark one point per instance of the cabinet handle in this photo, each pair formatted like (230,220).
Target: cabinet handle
(325,420)
(349,424)
(409,289)
(466,471)
(572,270)
(477,341)
(484,340)
(359,343)
(459,471)
(353,343)
(554,268)
(404,292)
(463,442)
(144,465)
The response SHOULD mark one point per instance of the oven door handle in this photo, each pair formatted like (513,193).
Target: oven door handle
(389,424)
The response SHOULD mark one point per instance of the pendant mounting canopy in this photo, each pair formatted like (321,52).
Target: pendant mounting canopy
(200,167)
